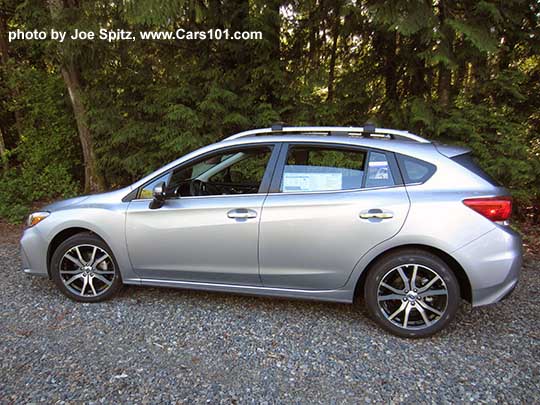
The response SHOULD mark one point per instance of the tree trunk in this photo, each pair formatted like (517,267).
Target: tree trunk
(3,156)
(333,54)
(443,87)
(430,73)
(445,74)
(460,82)
(390,66)
(4,58)
(417,83)
(92,181)
(312,52)
(272,20)
(3,41)
(70,74)
(479,74)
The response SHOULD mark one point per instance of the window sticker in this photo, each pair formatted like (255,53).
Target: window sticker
(378,171)
(311,181)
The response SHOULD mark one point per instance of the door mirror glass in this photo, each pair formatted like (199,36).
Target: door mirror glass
(159,191)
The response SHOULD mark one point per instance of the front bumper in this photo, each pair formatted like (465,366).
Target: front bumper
(34,253)
(493,264)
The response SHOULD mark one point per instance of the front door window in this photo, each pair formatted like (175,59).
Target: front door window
(228,173)
(236,171)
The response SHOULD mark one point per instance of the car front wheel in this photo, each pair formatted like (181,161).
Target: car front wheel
(84,269)
(412,293)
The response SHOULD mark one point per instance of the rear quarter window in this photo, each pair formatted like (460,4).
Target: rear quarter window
(415,170)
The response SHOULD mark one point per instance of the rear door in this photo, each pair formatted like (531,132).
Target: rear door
(328,206)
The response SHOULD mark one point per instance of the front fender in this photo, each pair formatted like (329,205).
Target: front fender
(106,222)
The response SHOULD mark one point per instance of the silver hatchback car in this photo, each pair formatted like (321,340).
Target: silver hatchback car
(324,213)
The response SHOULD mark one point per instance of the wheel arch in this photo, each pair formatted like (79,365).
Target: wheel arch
(457,269)
(61,237)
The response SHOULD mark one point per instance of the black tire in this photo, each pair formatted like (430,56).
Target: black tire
(86,242)
(428,265)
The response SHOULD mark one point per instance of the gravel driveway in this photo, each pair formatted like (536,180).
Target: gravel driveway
(163,345)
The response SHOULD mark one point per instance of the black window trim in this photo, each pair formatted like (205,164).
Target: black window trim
(275,148)
(275,185)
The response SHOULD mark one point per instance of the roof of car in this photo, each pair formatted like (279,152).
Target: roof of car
(399,146)
(394,140)
(367,131)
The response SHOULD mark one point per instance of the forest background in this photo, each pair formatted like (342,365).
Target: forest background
(87,116)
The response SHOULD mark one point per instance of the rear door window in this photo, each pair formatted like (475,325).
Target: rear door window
(312,168)
(378,172)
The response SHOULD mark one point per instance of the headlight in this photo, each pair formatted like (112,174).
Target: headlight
(36,218)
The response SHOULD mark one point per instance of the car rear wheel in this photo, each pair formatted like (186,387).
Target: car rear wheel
(84,269)
(412,293)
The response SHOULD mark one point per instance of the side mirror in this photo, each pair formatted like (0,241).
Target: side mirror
(159,195)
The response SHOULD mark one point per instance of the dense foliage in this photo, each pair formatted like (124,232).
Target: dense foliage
(89,115)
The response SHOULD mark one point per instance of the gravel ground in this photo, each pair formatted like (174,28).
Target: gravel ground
(163,345)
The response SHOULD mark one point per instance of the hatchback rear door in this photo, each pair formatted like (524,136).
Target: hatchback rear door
(328,206)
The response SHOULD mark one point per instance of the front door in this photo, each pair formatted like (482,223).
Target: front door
(208,228)
(332,205)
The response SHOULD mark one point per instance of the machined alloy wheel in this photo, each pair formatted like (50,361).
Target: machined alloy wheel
(412,293)
(84,269)
(412,296)
(87,270)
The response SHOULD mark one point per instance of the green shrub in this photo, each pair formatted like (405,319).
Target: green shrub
(46,162)
(21,188)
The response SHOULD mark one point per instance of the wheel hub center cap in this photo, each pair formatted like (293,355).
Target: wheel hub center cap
(412,296)
(87,271)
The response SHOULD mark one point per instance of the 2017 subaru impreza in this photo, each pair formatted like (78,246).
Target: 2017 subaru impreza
(325,213)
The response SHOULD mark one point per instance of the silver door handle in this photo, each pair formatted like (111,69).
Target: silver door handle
(378,215)
(242,213)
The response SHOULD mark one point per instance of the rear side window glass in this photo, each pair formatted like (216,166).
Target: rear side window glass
(415,170)
(378,172)
(466,160)
(310,168)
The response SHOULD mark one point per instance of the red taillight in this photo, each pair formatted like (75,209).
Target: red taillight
(495,208)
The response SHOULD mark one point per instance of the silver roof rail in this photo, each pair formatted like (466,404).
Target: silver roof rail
(367,132)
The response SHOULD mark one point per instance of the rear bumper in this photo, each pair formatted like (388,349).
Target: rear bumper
(493,265)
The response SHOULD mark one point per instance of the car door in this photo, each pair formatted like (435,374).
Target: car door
(207,229)
(327,207)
